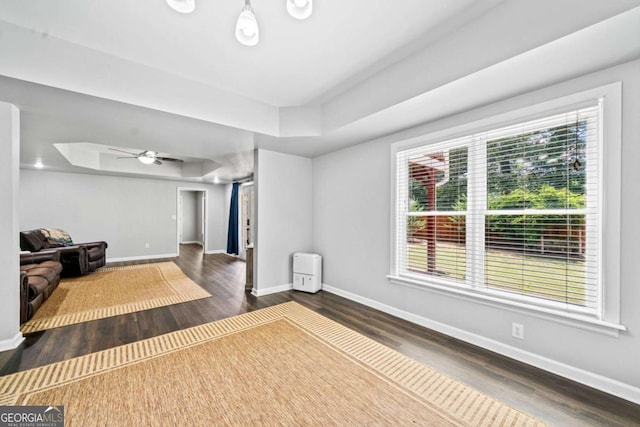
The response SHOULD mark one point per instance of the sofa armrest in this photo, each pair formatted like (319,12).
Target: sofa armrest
(24,296)
(67,250)
(74,260)
(94,245)
(38,257)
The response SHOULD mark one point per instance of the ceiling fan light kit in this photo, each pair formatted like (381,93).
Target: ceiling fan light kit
(147,157)
(182,6)
(247,31)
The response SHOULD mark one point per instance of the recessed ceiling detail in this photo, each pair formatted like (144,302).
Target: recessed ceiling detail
(113,159)
(298,60)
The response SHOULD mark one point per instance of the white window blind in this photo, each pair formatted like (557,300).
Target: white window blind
(513,211)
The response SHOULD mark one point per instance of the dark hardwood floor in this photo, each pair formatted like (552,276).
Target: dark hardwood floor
(548,397)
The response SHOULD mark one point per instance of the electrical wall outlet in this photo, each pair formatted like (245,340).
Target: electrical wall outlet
(147,246)
(517,330)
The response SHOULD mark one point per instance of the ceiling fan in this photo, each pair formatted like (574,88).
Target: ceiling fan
(147,157)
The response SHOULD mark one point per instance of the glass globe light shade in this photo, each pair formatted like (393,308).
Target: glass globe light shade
(300,9)
(148,157)
(182,6)
(247,31)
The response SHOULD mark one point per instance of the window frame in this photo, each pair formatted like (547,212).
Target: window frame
(402,228)
(607,320)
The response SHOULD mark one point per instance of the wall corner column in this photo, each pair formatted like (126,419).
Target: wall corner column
(10,336)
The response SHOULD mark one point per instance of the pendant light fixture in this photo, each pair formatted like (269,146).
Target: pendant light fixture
(247,31)
(300,9)
(182,6)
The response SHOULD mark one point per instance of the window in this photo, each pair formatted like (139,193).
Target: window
(511,213)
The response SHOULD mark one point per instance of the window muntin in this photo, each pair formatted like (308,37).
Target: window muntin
(513,211)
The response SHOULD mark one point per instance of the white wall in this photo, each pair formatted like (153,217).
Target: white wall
(189,217)
(284,212)
(124,212)
(351,229)
(10,336)
(199,217)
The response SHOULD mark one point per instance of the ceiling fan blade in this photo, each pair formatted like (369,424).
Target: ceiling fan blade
(131,157)
(169,159)
(157,162)
(122,151)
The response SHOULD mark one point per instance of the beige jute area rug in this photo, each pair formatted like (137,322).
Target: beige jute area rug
(113,291)
(283,365)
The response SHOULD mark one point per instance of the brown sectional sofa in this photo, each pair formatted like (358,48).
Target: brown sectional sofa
(45,260)
(77,259)
(39,277)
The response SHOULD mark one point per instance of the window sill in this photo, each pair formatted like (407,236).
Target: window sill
(570,319)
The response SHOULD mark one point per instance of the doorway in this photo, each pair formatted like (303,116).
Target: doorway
(192,217)
(246,213)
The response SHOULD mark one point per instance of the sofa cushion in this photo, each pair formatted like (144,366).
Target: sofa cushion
(54,265)
(48,273)
(32,240)
(27,267)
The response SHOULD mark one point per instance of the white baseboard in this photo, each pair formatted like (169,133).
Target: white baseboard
(605,384)
(216,251)
(11,343)
(141,257)
(192,242)
(272,290)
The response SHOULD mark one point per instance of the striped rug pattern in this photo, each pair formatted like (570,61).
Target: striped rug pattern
(124,290)
(442,400)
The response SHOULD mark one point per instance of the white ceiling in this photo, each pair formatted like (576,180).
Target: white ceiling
(294,63)
(137,74)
